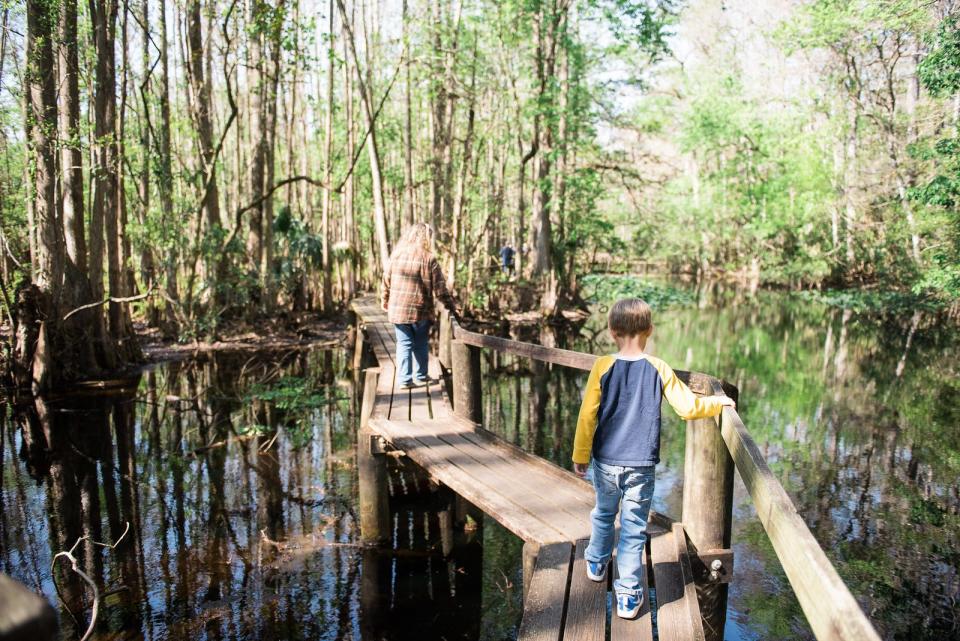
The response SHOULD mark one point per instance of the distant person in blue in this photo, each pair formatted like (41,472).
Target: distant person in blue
(506,259)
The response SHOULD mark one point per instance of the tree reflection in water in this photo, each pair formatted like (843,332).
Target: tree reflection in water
(237,477)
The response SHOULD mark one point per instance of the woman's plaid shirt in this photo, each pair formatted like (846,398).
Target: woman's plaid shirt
(410,283)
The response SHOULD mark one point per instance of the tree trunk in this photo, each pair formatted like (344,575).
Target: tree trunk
(350,234)
(165,187)
(327,300)
(408,124)
(366,99)
(202,108)
(71,155)
(258,153)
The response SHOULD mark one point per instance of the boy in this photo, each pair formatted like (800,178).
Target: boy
(619,425)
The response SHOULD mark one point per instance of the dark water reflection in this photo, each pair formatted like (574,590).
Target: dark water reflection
(238,479)
(857,414)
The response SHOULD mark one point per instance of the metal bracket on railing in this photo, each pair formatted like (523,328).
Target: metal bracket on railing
(712,566)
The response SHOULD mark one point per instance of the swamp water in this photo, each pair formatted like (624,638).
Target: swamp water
(238,479)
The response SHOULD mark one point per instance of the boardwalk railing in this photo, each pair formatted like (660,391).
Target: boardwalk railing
(711,454)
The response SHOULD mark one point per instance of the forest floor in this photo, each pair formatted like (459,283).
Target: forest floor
(266,334)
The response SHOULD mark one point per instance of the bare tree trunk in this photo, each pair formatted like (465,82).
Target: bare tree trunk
(38,359)
(408,124)
(458,217)
(327,301)
(165,190)
(71,156)
(103,16)
(147,262)
(256,85)
(366,98)
(350,233)
(202,108)
(270,112)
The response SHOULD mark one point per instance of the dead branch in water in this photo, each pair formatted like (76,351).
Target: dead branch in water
(83,575)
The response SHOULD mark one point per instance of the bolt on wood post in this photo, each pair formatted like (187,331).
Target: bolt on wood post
(372,470)
(467,390)
(707,511)
(446,336)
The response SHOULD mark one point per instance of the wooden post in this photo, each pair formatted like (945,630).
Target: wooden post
(707,511)
(24,616)
(358,347)
(467,397)
(446,336)
(372,470)
(530,552)
(707,486)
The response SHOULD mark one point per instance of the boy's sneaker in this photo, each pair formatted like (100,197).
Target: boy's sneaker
(628,605)
(596,571)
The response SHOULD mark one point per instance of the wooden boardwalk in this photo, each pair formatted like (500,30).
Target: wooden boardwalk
(545,505)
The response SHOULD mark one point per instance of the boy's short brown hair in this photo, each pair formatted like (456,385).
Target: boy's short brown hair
(629,317)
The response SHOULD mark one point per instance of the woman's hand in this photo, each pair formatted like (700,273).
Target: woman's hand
(580,469)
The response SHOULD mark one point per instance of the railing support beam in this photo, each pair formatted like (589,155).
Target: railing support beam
(372,471)
(467,387)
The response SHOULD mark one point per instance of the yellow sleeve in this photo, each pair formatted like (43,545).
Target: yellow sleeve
(587,421)
(684,402)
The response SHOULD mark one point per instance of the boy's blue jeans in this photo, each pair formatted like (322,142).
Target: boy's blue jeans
(629,490)
(412,340)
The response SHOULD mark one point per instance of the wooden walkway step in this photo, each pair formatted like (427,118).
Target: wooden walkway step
(562,603)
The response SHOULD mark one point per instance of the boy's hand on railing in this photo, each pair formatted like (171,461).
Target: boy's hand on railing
(726,401)
(580,469)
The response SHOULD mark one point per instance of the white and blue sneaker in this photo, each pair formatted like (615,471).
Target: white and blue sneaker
(596,571)
(628,605)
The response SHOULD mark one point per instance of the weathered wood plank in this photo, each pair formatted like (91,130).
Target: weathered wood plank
(641,628)
(535,489)
(673,619)
(587,604)
(691,604)
(546,601)
(427,451)
(812,576)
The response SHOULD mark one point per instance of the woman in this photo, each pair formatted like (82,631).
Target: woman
(411,281)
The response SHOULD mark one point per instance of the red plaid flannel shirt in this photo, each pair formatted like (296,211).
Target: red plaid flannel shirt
(410,283)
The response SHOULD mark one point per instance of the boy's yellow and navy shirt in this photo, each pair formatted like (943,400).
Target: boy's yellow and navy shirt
(620,416)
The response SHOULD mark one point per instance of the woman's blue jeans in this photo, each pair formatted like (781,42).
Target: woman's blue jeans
(629,490)
(412,340)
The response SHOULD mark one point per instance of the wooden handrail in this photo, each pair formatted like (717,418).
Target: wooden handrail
(698,382)
(831,610)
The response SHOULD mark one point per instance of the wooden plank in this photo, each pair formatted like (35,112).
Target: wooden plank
(641,628)
(409,438)
(812,576)
(537,491)
(546,602)
(691,603)
(675,621)
(587,603)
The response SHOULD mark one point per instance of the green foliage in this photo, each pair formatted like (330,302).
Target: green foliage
(939,73)
(291,393)
(608,288)
(893,302)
